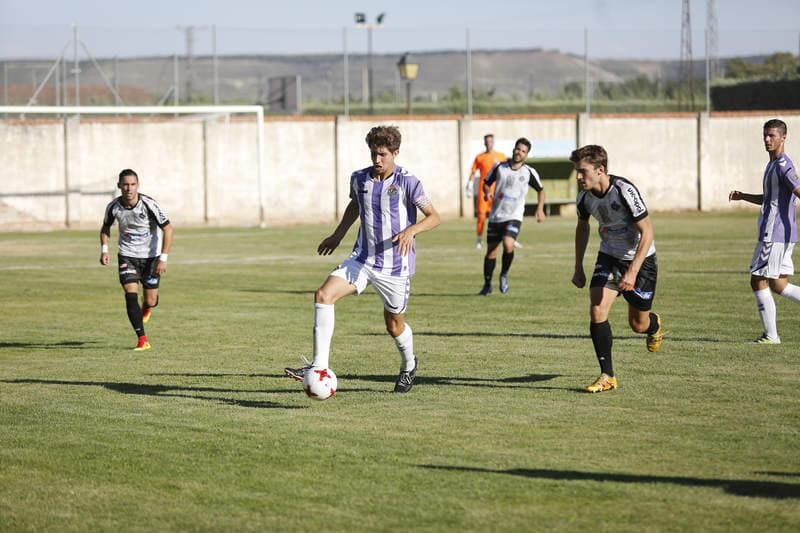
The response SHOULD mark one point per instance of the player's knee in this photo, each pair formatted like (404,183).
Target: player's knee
(321,296)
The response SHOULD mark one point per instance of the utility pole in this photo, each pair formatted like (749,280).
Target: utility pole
(686,74)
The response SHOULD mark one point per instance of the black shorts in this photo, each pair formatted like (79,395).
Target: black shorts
(497,230)
(138,270)
(609,270)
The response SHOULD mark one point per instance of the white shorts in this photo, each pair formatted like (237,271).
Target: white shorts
(393,290)
(772,260)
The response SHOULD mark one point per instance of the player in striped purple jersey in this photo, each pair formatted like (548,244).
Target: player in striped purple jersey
(777,231)
(385,198)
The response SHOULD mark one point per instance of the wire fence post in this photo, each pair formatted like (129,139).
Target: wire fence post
(469,75)
(346,73)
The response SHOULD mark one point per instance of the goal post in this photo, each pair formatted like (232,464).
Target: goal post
(203,112)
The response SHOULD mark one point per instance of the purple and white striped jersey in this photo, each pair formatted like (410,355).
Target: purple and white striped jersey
(778,219)
(385,209)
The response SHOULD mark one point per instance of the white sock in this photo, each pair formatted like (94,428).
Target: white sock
(405,343)
(792,292)
(323,333)
(766,310)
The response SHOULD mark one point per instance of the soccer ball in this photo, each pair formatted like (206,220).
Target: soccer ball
(319,383)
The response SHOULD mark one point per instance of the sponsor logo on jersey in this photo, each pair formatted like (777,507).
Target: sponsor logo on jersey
(635,199)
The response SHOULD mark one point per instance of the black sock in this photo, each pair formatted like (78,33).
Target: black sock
(508,257)
(602,340)
(653,324)
(134,312)
(488,269)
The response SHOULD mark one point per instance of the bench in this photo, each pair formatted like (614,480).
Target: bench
(560,187)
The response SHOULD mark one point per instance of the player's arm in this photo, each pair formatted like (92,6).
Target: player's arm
(468,188)
(581,242)
(105,236)
(757,199)
(645,227)
(489,181)
(161,267)
(536,182)
(331,242)
(405,239)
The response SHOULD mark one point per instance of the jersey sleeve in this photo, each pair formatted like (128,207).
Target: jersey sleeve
(156,211)
(416,193)
(583,213)
(474,167)
(534,180)
(788,174)
(108,218)
(632,199)
(353,195)
(492,176)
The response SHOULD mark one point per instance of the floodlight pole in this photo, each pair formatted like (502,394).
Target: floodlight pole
(586,92)
(361,22)
(469,75)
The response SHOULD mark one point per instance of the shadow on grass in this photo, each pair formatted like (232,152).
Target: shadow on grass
(456,381)
(759,489)
(667,337)
(453,381)
(47,345)
(307,292)
(165,391)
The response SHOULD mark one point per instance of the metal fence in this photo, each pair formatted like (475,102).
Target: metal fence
(508,68)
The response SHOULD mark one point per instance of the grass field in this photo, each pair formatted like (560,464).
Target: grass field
(203,433)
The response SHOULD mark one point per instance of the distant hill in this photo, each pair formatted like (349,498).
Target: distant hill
(244,78)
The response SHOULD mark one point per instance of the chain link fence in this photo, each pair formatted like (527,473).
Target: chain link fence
(504,69)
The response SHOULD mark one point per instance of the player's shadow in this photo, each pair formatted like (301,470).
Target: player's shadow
(456,381)
(164,391)
(752,488)
(564,336)
(61,345)
(711,272)
(306,292)
(292,390)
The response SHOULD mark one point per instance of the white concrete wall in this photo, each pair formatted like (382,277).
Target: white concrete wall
(658,154)
(208,173)
(32,159)
(733,156)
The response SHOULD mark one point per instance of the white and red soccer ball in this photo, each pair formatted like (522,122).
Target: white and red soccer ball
(319,383)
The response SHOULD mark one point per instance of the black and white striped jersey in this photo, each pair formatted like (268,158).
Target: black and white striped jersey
(140,226)
(511,190)
(617,211)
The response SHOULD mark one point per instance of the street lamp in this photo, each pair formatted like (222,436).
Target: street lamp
(408,72)
(361,22)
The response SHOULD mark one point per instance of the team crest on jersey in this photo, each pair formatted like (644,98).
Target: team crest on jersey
(521,179)
(392,190)
(142,216)
(615,206)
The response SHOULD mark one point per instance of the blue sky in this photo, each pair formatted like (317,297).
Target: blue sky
(617,28)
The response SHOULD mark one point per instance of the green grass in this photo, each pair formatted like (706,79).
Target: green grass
(203,433)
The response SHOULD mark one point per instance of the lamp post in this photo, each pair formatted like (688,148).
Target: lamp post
(408,72)
(361,22)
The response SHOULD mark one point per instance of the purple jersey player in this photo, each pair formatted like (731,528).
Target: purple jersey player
(385,198)
(777,231)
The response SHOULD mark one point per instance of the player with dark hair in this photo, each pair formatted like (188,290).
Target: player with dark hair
(626,262)
(512,179)
(145,237)
(483,163)
(385,197)
(777,231)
